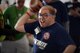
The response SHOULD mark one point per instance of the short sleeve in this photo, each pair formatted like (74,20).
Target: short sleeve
(29,27)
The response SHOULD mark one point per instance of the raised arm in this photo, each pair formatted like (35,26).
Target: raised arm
(24,19)
(35,5)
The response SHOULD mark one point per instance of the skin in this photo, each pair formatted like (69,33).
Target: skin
(47,20)
(20,4)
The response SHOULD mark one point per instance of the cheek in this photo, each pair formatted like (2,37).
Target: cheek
(48,20)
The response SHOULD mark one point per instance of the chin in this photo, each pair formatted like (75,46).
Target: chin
(43,26)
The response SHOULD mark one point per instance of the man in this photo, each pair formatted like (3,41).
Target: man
(50,36)
(61,10)
(74,19)
(61,15)
(18,43)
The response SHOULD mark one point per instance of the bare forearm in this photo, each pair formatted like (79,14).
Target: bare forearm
(24,19)
(70,49)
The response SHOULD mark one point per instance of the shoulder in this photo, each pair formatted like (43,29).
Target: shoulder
(26,7)
(59,28)
(10,8)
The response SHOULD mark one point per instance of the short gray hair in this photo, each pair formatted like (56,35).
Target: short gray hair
(51,9)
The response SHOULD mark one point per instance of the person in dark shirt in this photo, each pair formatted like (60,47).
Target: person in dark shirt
(74,19)
(50,36)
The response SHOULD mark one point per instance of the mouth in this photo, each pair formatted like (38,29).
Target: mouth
(42,21)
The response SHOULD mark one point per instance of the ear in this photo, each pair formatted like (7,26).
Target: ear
(55,11)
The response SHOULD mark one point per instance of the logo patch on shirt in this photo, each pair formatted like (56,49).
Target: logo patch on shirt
(46,35)
(40,43)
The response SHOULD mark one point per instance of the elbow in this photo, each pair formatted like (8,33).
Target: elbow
(19,28)
(16,28)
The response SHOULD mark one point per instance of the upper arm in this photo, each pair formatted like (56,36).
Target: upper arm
(24,19)
(20,23)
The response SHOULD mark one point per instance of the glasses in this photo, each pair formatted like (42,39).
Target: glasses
(44,15)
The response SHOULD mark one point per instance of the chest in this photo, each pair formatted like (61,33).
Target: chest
(15,13)
(44,39)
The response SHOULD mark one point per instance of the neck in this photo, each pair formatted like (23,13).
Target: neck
(20,8)
(53,22)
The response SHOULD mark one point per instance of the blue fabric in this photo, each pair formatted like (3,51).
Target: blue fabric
(57,40)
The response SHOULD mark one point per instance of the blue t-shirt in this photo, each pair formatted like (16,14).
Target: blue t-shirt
(52,39)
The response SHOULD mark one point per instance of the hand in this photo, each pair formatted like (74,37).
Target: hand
(35,5)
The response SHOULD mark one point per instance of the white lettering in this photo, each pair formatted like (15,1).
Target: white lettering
(39,43)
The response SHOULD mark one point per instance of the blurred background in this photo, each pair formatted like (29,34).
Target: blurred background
(3,2)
